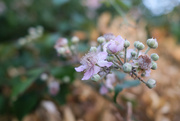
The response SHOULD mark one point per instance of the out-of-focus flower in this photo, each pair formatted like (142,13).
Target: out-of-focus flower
(103,90)
(61,42)
(116,45)
(92,63)
(75,39)
(44,76)
(111,78)
(54,87)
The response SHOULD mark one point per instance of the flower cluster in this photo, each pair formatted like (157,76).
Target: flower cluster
(33,34)
(113,53)
(63,47)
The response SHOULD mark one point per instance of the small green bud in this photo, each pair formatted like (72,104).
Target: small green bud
(127,67)
(75,39)
(152,43)
(96,77)
(101,39)
(93,49)
(154,57)
(151,83)
(136,43)
(110,58)
(133,53)
(121,54)
(154,65)
(140,46)
(126,44)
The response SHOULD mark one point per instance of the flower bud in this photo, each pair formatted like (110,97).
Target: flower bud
(154,65)
(154,57)
(110,58)
(133,53)
(126,44)
(135,43)
(75,39)
(93,49)
(96,77)
(140,46)
(127,67)
(151,83)
(121,54)
(101,39)
(152,43)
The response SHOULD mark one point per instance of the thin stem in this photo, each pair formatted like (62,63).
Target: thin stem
(138,77)
(125,55)
(147,50)
(117,64)
(119,59)
(137,54)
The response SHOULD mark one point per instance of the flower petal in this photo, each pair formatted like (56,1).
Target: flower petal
(96,69)
(102,55)
(88,74)
(80,68)
(104,63)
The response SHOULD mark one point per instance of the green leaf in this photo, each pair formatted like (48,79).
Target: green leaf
(24,82)
(25,104)
(61,96)
(60,72)
(120,75)
(130,83)
(118,88)
(125,84)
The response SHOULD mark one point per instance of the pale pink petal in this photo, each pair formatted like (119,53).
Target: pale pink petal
(105,46)
(113,47)
(102,56)
(104,63)
(88,74)
(80,68)
(119,38)
(96,69)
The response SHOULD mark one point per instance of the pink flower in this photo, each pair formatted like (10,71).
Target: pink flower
(92,62)
(115,45)
(53,87)
(110,80)
(61,42)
